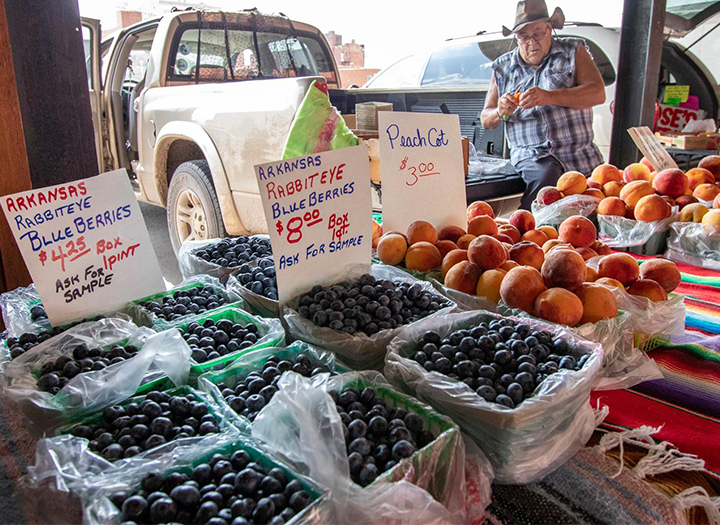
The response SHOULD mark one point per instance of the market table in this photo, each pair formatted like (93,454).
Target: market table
(687,158)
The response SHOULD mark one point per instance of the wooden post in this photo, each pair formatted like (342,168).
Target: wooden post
(52,86)
(14,169)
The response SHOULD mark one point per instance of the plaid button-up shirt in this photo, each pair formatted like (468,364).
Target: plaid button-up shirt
(548,130)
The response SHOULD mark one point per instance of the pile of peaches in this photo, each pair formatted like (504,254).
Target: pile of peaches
(641,194)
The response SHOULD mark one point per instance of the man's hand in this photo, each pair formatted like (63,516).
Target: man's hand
(535,97)
(506,105)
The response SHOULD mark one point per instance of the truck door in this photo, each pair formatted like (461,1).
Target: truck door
(91,46)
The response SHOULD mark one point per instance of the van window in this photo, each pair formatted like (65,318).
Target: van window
(236,57)
(458,65)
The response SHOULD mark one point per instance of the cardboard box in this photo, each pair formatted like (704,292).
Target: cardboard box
(690,141)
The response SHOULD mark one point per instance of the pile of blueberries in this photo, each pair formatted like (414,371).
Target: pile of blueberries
(228,490)
(211,340)
(233,252)
(368,305)
(502,361)
(377,436)
(19,345)
(250,395)
(260,279)
(54,375)
(184,302)
(158,419)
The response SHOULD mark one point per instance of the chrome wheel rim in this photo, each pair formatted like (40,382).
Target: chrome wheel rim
(190,217)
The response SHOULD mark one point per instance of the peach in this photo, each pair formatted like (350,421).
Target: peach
(619,266)
(482,225)
(592,275)
(706,192)
(594,185)
(489,284)
(487,252)
(527,253)
(606,173)
(634,191)
(523,220)
(609,281)
(578,231)
(549,231)
(377,232)
(593,192)
(535,236)
(521,286)
(552,243)
(693,213)
(716,202)
(422,257)
(648,288)
(685,200)
(712,164)
(464,242)
(508,265)
(503,238)
(601,248)
(698,176)
(663,272)
(451,233)
(463,277)
(421,231)
(511,231)
(395,232)
(612,206)
(711,221)
(451,259)
(478,208)
(549,194)
(560,306)
(671,182)
(645,161)
(564,269)
(636,171)
(572,183)
(586,253)
(669,200)
(391,249)
(652,208)
(445,247)
(612,189)
(598,303)
(630,214)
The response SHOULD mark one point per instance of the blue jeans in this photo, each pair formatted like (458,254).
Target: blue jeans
(537,174)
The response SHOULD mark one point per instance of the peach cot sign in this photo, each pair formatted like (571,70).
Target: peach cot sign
(423,177)
(86,246)
(319,215)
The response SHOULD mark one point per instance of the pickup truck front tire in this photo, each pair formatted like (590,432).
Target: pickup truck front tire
(193,209)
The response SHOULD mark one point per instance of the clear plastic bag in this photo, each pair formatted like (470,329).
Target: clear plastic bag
(554,214)
(68,460)
(16,311)
(254,361)
(525,443)
(301,422)
(258,304)
(161,355)
(359,351)
(689,243)
(144,317)
(98,510)
(619,232)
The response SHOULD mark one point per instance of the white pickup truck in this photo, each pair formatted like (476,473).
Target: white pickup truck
(190,102)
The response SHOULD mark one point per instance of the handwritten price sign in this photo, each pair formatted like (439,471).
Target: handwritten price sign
(85,244)
(423,177)
(319,210)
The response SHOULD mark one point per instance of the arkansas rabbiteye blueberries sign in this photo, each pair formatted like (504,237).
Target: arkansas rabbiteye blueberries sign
(421,162)
(85,244)
(319,215)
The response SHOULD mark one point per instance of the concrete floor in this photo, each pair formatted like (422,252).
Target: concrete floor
(156,221)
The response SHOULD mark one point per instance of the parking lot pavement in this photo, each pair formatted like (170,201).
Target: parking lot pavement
(156,221)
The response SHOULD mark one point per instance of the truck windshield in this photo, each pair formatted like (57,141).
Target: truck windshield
(217,55)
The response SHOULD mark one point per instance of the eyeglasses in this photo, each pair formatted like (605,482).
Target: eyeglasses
(537,36)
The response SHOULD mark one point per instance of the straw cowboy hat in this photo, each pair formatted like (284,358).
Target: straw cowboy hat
(531,11)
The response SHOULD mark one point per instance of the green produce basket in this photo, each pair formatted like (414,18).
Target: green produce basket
(270,331)
(252,362)
(312,513)
(144,317)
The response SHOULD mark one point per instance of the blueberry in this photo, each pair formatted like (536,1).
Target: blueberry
(206,511)
(360,445)
(487,393)
(270,485)
(247,482)
(263,511)
(503,399)
(134,507)
(368,474)
(402,449)
(299,500)
(242,508)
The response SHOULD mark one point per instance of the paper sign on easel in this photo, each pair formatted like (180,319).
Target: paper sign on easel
(423,177)
(650,146)
(319,215)
(85,244)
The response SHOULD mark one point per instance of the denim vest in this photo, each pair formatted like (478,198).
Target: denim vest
(542,131)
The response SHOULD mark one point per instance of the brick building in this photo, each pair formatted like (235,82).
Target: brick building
(350,58)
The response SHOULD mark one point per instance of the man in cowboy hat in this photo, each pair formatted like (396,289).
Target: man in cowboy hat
(544,91)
